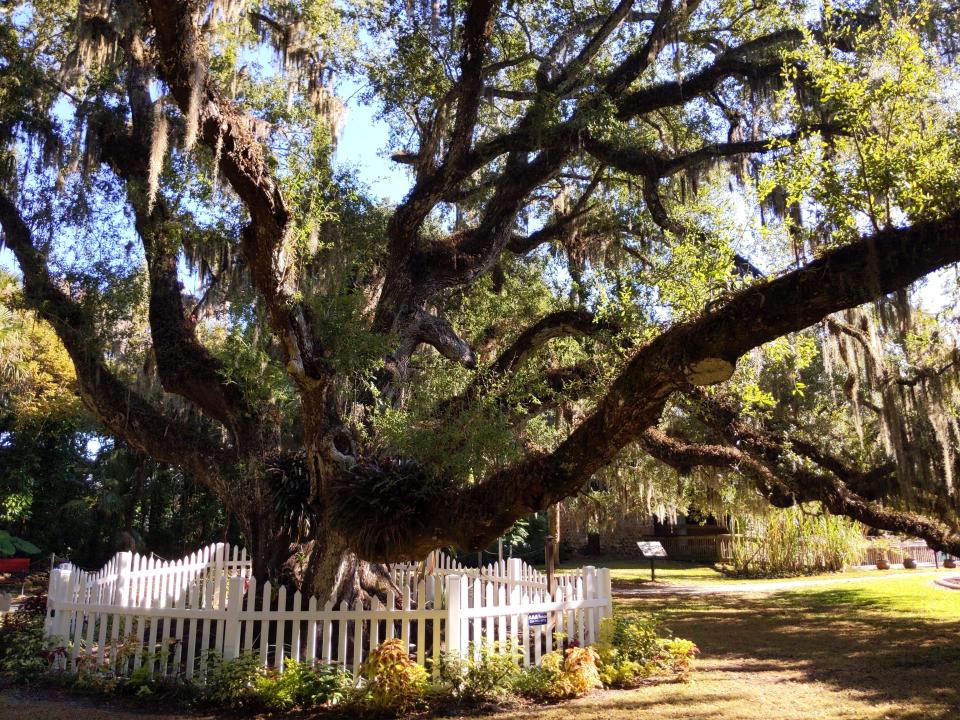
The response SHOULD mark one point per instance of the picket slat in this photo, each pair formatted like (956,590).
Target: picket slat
(311,652)
(327,631)
(341,658)
(264,624)
(357,635)
(281,628)
(295,635)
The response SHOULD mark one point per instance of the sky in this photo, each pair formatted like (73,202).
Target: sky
(363,148)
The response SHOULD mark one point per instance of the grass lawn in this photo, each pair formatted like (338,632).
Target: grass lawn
(858,650)
(625,573)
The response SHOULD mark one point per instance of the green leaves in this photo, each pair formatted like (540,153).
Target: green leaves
(11,545)
(896,154)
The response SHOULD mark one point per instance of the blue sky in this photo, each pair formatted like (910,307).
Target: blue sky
(363,145)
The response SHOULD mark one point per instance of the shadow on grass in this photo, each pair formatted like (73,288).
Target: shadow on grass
(847,638)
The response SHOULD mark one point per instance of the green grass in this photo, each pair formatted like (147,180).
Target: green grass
(630,571)
(852,651)
(674,572)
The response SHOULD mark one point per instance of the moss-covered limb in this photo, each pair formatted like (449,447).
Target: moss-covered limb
(833,486)
(666,26)
(183,63)
(225,129)
(756,61)
(477,29)
(123,410)
(845,277)
(561,323)
(185,367)
(874,484)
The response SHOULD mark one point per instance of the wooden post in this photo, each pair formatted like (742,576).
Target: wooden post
(453,639)
(514,573)
(231,629)
(121,595)
(606,589)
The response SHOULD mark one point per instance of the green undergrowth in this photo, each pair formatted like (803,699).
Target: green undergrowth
(631,651)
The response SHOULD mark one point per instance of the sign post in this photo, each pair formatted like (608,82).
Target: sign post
(652,550)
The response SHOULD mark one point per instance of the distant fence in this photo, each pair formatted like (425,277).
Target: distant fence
(170,617)
(897,553)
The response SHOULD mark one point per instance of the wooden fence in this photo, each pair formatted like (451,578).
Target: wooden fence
(173,617)
(897,553)
(522,575)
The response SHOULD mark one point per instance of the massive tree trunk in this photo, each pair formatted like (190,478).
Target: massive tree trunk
(335,573)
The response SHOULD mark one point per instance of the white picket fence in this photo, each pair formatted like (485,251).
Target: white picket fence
(171,616)
(439,563)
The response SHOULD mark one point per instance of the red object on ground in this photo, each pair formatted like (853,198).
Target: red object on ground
(14,564)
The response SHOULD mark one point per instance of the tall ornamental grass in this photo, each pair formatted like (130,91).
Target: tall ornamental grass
(794,541)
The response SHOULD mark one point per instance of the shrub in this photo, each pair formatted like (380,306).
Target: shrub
(231,683)
(568,674)
(23,650)
(677,655)
(630,651)
(535,683)
(392,683)
(302,684)
(619,673)
(635,638)
(488,676)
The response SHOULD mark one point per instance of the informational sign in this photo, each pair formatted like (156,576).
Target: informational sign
(652,549)
(537,619)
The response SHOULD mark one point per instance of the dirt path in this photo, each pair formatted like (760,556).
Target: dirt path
(50,704)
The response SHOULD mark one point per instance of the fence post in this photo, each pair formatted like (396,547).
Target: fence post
(606,590)
(58,597)
(589,581)
(53,593)
(453,615)
(514,575)
(590,593)
(231,626)
(122,591)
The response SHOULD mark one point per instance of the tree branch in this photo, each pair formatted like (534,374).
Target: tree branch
(125,412)
(183,63)
(477,27)
(736,62)
(637,62)
(699,352)
(833,490)
(184,365)
(562,323)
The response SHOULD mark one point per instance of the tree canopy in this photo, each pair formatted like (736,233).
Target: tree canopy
(690,232)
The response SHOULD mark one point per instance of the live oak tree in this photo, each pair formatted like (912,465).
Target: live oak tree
(573,278)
